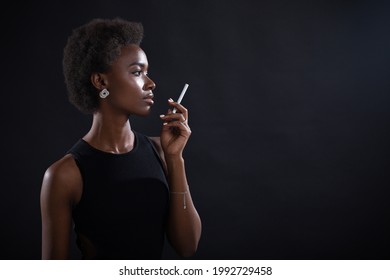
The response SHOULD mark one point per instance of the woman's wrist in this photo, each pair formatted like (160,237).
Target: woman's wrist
(176,174)
(174,158)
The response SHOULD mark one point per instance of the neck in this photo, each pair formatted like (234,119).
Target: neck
(110,134)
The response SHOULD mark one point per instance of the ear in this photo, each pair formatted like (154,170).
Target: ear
(99,81)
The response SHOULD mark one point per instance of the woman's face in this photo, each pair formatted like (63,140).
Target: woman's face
(127,81)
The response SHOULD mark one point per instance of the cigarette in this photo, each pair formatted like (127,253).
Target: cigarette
(181,96)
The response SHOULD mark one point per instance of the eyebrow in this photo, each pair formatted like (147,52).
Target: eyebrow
(143,65)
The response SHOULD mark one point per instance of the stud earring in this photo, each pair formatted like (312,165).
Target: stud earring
(104,93)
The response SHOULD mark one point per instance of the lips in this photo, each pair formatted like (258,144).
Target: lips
(149,98)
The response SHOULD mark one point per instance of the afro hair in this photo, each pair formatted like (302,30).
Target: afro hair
(92,48)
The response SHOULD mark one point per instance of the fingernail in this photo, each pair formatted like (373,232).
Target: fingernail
(165,123)
(170,100)
(161,116)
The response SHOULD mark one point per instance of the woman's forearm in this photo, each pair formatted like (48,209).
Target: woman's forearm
(184,224)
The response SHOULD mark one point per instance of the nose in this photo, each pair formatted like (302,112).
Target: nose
(149,84)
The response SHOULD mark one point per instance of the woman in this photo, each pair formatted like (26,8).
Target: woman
(122,191)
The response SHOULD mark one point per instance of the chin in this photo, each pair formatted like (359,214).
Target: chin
(143,113)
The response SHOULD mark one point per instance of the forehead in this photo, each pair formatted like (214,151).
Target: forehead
(132,54)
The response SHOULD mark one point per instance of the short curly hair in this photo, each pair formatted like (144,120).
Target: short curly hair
(92,48)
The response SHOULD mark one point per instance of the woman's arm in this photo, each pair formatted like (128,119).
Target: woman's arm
(184,224)
(61,188)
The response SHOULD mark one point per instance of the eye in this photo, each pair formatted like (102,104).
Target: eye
(137,73)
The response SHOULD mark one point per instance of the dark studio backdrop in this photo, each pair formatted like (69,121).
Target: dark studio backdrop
(289,108)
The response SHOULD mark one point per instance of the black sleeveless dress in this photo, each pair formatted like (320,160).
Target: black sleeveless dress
(124,205)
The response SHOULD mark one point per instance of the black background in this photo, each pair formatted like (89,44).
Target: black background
(289,108)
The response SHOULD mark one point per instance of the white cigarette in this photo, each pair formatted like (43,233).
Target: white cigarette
(181,96)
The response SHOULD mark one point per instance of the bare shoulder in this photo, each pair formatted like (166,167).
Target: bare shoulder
(63,179)
(157,144)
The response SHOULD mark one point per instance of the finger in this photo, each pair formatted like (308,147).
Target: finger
(179,107)
(176,129)
(179,125)
(173,117)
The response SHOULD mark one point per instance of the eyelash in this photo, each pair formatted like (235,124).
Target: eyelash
(138,73)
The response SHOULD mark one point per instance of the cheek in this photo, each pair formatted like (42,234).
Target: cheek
(130,91)
(126,85)
(132,83)
(140,83)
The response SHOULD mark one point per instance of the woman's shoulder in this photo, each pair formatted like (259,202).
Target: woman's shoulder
(156,141)
(62,167)
(63,177)
(157,144)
